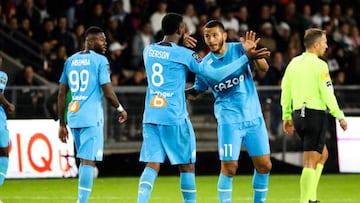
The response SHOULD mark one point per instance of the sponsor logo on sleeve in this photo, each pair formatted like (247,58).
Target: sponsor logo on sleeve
(197,57)
(3,80)
(329,85)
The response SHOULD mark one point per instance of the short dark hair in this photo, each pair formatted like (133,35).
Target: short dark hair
(93,30)
(170,23)
(312,35)
(214,23)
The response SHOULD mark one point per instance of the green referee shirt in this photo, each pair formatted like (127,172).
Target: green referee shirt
(307,80)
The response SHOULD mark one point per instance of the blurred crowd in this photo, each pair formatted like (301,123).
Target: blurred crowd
(130,25)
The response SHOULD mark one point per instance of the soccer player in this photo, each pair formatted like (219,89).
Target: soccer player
(306,93)
(237,110)
(86,75)
(5,106)
(167,129)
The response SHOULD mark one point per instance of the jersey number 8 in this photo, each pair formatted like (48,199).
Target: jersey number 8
(157,79)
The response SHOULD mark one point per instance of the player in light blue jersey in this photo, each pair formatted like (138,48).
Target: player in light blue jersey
(167,130)
(86,75)
(5,106)
(238,112)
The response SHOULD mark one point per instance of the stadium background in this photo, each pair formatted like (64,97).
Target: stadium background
(36,37)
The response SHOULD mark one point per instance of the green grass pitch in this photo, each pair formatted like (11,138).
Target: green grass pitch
(334,188)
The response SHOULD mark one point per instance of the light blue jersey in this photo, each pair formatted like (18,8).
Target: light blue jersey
(167,65)
(85,73)
(3,83)
(236,98)
(237,107)
(4,133)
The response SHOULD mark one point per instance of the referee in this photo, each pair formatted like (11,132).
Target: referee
(306,92)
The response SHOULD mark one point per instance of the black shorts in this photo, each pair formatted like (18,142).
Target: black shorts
(311,129)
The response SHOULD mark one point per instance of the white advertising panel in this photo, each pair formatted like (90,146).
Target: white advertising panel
(348,143)
(36,151)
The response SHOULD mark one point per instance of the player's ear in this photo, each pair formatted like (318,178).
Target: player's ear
(182,29)
(225,35)
(89,42)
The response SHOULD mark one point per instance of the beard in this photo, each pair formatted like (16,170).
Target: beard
(218,50)
(99,50)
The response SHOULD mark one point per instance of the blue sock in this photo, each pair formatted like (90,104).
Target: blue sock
(225,188)
(188,187)
(4,163)
(86,175)
(146,184)
(260,184)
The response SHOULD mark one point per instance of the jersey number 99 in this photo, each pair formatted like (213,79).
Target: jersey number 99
(78,80)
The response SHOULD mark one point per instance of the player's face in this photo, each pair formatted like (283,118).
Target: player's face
(98,43)
(215,39)
(322,45)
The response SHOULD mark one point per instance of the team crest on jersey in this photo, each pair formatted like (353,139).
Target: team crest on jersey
(3,80)
(197,57)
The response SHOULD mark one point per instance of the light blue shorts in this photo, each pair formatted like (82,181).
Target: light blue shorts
(253,136)
(89,142)
(177,142)
(4,132)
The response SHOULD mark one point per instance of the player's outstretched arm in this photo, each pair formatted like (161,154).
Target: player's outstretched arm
(112,98)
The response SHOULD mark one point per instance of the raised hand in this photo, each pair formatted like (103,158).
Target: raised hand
(249,36)
(189,41)
(250,43)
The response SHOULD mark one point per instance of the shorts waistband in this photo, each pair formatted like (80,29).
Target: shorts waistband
(311,110)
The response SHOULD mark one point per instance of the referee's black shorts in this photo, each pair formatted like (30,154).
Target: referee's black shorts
(311,128)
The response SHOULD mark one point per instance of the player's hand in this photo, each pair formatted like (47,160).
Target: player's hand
(192,94)
(247,44)
(250,36)
(189,41)
(123,117)
(257,54)
(63,133)
(288,127)
(11,108)
(343,124)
